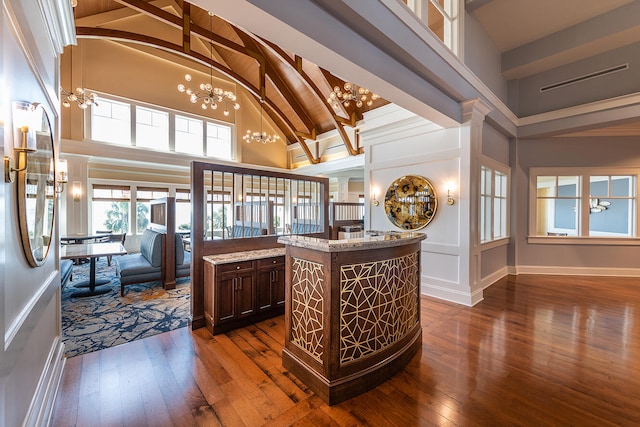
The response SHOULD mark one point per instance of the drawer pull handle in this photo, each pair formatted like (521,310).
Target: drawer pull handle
(237,267)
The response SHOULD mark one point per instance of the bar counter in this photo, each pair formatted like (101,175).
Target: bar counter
(352,310)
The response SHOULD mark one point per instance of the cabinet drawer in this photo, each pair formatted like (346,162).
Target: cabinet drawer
(269,262)
(235,266)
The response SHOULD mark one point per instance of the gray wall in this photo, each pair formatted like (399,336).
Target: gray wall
(483,58)
(526,98)
(494,261)
(560,152)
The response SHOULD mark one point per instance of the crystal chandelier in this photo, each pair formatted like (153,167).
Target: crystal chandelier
(207,94)
(260,136)
(80,97)
(351,93)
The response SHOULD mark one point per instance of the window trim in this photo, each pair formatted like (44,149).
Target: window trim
(583,173)
(495,166)
(172,114)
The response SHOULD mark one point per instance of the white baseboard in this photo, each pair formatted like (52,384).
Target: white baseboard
(41,408)
(574,271)
(494,277)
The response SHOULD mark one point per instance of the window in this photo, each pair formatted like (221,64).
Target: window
(152,129)
(144,195)
(188,135)
(111,122)
(440,17)
(160,129)
(219,141)
(111,208)
(494,202)
(183,209)
(585,203)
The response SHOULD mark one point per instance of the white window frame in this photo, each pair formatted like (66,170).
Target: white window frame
(496,238)
(172,114)
(450,15)
(584,175)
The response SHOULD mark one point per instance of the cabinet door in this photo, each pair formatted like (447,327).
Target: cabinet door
(264,299)
(277,286)
(245,294)
(225,298)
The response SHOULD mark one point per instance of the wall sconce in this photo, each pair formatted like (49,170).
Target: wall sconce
(450,187)
(76,191)
(374,196)
(24,139)
(62,175)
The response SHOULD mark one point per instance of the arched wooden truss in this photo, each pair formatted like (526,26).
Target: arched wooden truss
(294,91)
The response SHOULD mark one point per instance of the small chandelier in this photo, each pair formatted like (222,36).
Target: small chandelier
(210,96)
(351,93)
(80,97)
(260,136)
(597,205)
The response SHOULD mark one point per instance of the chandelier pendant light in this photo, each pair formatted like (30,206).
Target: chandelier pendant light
(261,136)
(208,95)
(79,97)
(351,93)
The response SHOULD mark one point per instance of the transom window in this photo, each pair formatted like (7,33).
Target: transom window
(111,122)
(160,129)
(152,128)
(596,203)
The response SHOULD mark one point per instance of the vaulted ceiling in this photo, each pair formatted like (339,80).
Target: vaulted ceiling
(532,36)
(294,90)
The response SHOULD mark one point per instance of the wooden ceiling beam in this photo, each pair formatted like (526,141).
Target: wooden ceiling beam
(178,22)
(86,32)
(278,82)
(186,28)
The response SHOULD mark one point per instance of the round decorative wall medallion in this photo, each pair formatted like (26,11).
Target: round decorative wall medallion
(410,202)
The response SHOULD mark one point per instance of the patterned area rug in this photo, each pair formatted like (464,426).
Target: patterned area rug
(94,323)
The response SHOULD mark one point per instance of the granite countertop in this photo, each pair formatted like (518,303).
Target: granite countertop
(371,241)
(244,256)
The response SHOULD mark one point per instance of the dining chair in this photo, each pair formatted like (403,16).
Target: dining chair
(116,238)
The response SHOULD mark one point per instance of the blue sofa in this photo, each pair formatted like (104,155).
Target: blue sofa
(146,266)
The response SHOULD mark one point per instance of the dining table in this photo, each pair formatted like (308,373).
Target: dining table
(76,238)
(93,251)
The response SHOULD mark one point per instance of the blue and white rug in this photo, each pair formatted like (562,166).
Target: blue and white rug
(94,323)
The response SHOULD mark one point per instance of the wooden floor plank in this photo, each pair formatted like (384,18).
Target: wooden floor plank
(538,350)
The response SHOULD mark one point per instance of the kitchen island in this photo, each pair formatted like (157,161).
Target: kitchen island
(352,310)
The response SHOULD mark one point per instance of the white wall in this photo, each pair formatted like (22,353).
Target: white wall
(31,357)
(399,143)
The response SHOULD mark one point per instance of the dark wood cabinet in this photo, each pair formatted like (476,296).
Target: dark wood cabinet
(270,273)
(243,292)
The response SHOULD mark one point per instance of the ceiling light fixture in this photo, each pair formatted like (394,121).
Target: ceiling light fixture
(210,96)
(80,97)
(261,136)
(351,93)
(597,205)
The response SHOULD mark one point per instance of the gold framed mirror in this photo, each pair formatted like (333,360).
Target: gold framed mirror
(410,202)
(36,191)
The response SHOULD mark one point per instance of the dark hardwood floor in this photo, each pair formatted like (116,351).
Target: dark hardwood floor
(538,351)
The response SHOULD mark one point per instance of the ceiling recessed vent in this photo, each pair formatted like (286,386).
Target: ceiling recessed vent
(593,75)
